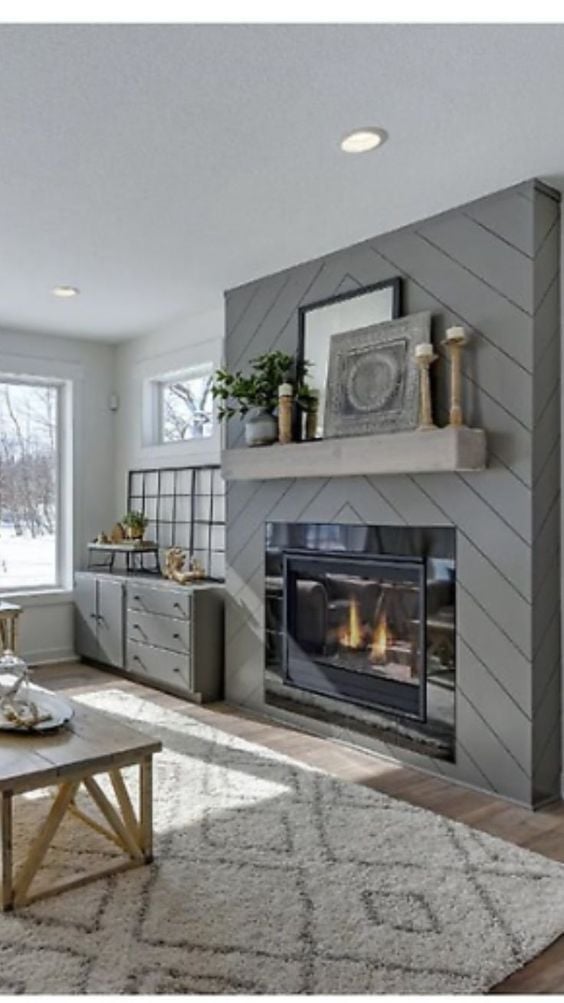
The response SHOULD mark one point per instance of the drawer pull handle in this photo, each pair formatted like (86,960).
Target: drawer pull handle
(176,669)
(177,605)
(176,637)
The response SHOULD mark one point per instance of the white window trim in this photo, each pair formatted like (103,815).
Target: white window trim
(64,551)
(152,404)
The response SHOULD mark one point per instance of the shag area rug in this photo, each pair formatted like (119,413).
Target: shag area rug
(273,878)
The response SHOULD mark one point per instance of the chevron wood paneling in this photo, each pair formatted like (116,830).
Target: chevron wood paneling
(546,563)
(493,266)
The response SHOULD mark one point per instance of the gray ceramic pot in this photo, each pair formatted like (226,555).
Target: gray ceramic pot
(261,429)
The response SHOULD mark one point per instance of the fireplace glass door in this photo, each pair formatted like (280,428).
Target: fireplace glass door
(355,629)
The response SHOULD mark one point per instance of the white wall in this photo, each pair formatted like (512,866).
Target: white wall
(184,343)
(47,631)
(106,444)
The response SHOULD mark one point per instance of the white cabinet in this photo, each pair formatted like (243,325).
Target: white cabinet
(99,622)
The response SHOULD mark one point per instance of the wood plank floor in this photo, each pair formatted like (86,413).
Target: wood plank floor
(542,831)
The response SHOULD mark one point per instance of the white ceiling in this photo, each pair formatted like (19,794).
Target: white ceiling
(154,166)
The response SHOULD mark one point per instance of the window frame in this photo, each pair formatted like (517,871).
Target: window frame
(157,386)
(63,488)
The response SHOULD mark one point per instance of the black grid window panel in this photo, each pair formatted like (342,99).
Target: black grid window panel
(185,507)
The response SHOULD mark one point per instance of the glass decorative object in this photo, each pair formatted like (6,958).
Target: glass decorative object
(16,706)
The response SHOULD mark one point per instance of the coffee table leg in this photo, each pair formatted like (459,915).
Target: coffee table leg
(7,863)
(146,807)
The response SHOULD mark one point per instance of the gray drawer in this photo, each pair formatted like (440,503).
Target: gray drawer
(160,666)
(165,602)
(159,631)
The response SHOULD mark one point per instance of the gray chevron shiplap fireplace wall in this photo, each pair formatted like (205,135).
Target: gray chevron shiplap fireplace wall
(492,265)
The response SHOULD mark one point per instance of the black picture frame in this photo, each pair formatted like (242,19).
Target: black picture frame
(395,284)
(185,507)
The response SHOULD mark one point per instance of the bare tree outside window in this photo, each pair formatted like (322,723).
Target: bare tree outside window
(187,406)
(28,484)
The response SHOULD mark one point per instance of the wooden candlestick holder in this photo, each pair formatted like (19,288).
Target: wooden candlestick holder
(454,346)
(425,406)
(285,416)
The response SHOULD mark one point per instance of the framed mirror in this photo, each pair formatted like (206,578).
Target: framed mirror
(351,311)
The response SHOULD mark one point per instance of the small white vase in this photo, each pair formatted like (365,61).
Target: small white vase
(261,429)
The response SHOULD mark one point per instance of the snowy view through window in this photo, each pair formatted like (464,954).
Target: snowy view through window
(28,485)
(187,406)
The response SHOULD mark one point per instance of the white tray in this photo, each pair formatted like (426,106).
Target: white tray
(61,711)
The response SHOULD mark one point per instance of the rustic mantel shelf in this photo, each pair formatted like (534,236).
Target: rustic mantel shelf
(440,450)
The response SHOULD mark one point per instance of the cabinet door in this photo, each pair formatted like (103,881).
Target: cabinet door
(85,614)
(110,623)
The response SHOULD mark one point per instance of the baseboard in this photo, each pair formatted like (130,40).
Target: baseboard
(49,657)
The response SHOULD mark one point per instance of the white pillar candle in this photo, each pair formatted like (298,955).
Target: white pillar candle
(424,350)
(285,390)
(455,334)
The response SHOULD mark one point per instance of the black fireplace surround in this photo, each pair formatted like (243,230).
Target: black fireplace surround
(340,614)
(363,615)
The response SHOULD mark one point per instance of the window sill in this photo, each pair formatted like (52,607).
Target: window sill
(38,597)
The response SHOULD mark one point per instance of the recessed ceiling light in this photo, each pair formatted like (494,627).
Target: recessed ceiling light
(363,140)
(65,292)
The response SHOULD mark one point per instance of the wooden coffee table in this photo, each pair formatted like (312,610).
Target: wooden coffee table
(91,744)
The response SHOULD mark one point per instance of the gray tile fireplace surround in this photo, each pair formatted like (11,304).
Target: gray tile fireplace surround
(492,265)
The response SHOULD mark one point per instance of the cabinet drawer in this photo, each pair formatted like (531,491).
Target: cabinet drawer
(163,667)
(165,602)
(159,631)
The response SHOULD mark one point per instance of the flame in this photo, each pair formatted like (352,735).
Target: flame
(351,635)
(355,635)
(380,640)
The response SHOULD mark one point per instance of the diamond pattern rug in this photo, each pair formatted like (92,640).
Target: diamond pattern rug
(274,878)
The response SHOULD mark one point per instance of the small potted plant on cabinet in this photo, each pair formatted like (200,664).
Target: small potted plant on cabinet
(135,524)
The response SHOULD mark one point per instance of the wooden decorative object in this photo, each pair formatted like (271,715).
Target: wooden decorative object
(197,570)
(175,558)
(117,534)
(285,399)
(174,565)
(454,343)
(424,357)
(312,416)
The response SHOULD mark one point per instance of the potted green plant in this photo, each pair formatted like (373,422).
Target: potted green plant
(135,524)
(254,397)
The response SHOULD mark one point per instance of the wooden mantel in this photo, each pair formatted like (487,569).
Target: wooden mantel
(440,450)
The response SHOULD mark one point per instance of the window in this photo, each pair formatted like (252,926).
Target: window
(30,441)
(185,405)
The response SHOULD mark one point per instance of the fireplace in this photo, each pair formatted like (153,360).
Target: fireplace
(360,625)
(354,628)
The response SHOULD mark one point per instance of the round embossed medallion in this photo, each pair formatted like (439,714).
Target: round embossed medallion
(372,380)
